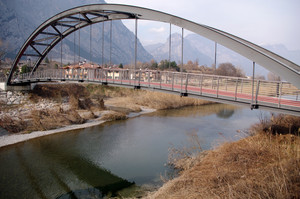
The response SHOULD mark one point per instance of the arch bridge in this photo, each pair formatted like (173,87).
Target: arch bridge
(58,27)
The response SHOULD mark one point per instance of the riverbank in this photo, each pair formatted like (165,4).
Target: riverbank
(264,165)
(11,139)
(55,108)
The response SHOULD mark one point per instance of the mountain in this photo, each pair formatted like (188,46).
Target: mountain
(224,54)
(19,18)
(202,49)
(161,51)
(280,49)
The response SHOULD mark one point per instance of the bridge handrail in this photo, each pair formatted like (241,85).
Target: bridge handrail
(256,93)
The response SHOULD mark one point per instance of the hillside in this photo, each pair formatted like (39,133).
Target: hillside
(199,48)
(19,18)
(191,52)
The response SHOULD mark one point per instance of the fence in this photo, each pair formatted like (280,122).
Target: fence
(255,92)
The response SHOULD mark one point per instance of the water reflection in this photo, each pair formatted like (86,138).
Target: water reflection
(48,170)
(109,159)
(197,111)
(225,113)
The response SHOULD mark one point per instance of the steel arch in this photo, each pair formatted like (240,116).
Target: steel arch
(96,13)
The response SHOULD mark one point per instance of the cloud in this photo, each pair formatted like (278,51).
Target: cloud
(158,30)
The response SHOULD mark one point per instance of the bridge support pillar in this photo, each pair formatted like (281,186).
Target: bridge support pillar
(183,94)
(24,87)
(254,106)
(137,87)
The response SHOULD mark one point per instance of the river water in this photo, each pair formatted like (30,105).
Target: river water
(115,158)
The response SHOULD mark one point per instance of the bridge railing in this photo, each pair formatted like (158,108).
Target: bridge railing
(243,90)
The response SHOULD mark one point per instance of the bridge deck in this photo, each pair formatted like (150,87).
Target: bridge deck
(277,96)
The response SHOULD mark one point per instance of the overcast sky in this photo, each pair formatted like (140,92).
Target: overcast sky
(259,21)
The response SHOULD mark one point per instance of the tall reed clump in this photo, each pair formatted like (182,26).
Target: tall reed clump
(264,165)
(158,100)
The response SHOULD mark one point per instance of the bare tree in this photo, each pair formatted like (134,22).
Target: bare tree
(228,69)
(272,77)
(260,77)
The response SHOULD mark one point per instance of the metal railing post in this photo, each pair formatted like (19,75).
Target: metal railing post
(201,83)
(257,91)
(160,77)
(173,74)
(94,74)
(236,87)
(106,72)
(148,78)
(181,82)
(280,92)
(121,76)
(242,85)
(218,87)
(253,76)
(140,77)
(129,75)
(186,82)
(113,76)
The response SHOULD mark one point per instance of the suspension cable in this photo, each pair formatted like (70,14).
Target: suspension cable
(110,43)
(61,43)
(103,44)
(170,46)
(74,46)
(90,44)
(79,39)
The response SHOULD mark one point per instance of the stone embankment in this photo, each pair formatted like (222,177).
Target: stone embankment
(13,97)
(22,105)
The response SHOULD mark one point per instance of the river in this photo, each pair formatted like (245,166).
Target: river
(115,158)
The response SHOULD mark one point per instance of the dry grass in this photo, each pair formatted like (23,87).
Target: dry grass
(96,90)
(58,91)
(50,119)
(260,166)
(12,125)
(113,115)
(162,101)
(132,99)
(280,124)
(90,97)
